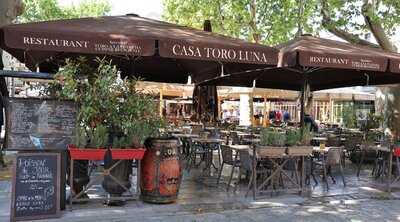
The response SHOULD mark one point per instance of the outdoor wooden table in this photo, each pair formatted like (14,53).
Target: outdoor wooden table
(240,147)
(252,140)
(210,128)
(278,163)
(386,150)
(242,134)
(207,144)
(376,148)
(278,167)
(184,135)
(317,140)
(318,149)
(226,132)
(320,138)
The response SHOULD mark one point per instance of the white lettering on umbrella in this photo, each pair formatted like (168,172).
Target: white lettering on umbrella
(55,42)
(218,53)
(329,60)
(181,50)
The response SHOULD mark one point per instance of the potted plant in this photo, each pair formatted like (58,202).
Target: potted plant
(298,141)
(272,143)
(112,114)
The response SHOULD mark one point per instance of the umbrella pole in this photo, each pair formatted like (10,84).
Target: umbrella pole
(302,100)
(305,92)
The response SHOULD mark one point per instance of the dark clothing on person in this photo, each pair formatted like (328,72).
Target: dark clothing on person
(271,115)
(309,121)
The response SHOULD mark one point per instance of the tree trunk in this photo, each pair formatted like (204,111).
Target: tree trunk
(388,98)
(9,10)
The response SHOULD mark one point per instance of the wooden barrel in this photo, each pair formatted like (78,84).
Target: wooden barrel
(161,171)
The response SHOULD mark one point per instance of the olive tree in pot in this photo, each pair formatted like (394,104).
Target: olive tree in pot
(111,105)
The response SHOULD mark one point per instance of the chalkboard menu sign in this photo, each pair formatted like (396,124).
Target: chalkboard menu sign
(36,186)
(36,124)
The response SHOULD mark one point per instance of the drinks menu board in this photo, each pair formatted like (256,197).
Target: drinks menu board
(37,124)
(36,186)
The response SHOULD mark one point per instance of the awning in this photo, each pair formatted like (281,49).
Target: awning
(175,49)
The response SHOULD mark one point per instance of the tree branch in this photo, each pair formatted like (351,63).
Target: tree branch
(221,20)
(332,28)
(253,23)
(376,28)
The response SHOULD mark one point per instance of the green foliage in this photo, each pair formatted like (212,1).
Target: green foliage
(106,102)
(98,137)
(80,137)
(299,136)
(45,10)
(349,116)
(272,137)
(293,137)
(374,121)
(275,21)
(306,135)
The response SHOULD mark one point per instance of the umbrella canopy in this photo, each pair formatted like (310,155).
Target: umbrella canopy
(323,64)
(155,50)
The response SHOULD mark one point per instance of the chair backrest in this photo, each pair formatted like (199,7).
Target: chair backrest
(245,160)
(333,140)
(196,129)
(234,138)
(334,156)
(352,141)
(215,133)
(204,134)
(227,154)
(186,130)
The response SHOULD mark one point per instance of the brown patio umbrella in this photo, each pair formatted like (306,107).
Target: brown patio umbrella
(323,64)
(310,63)
(155,50)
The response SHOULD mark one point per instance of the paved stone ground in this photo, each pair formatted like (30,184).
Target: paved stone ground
(201,199)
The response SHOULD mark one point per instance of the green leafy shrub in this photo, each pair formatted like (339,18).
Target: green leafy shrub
(107,104)
(271,137)
(293,137)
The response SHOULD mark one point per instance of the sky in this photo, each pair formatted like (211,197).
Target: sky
(145,8)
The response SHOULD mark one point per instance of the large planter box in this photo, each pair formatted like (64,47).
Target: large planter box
(270,151)
(98,154)
(299,150)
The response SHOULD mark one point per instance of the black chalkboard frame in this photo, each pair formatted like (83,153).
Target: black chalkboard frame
(7,126)
(58,190)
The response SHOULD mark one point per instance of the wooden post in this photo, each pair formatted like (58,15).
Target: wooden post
(251,109)
(303,98)
(161,102)
(265,111)
(219,107)
(332,110)
(389,176)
